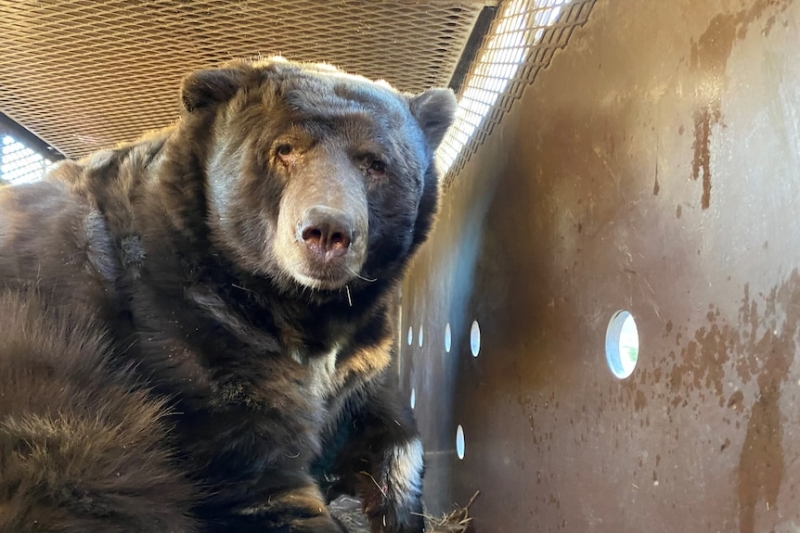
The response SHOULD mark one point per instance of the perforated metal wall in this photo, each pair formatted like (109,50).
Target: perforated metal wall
(84,74)
(652,167)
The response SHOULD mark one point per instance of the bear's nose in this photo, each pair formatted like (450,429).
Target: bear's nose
(327,232)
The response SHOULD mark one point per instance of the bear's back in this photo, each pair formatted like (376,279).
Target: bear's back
(53,241)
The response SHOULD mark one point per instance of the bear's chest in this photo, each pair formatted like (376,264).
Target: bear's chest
(323,380)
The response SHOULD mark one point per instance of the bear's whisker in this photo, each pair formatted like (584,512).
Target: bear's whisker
(359,276)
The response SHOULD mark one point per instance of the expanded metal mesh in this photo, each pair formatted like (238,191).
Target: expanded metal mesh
(85,74)
(520,43)
(20,163)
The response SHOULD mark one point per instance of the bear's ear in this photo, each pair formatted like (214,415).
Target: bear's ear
(435,110)
(206,88)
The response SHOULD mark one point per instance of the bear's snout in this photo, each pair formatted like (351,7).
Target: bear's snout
(326,232)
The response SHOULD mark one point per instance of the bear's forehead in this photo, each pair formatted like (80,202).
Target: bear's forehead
(340,93)
(323,70)
(316,87)
(353,112)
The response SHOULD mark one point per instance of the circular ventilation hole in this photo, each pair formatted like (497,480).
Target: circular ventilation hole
(460,442)
(419,339)
(410,335)
(447,338)
(475,339)
(413,400)
(622,344)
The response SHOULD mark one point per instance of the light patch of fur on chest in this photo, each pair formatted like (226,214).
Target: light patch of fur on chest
(330,372)
(366,362)
(322,373)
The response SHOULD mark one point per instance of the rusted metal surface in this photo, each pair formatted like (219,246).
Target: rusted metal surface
(654,167)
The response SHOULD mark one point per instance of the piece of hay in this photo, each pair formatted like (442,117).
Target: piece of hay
(348,511)
(457,521)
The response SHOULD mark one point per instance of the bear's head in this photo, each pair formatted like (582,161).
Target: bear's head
(316,178)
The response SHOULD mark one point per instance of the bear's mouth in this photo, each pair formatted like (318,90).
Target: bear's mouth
(328,275)
(321,269)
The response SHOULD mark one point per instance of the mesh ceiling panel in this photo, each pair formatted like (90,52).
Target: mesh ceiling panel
(85,74)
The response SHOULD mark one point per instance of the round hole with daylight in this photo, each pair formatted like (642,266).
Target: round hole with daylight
(413,400)
(622,344)
(475,339)
(410,335)
(447,338)
(460,442)
(419,338)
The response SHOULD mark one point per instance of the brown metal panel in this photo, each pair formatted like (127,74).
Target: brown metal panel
(654,167)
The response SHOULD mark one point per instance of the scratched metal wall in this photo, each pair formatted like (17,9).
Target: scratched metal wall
(655,167)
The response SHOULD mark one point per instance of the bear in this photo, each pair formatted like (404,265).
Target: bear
(196,328)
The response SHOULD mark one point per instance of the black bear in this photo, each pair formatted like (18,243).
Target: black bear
(196,329)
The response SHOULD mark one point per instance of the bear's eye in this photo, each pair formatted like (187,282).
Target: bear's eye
(377,167)
(283,150)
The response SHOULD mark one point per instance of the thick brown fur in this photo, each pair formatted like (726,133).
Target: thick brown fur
(82,449)
(178,351)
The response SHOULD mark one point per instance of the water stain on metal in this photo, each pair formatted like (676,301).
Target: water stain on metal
(640,402)
(701,364)
(761,463)
(656,186)
(709,56)
(760,347)
(703,120)
(736,400)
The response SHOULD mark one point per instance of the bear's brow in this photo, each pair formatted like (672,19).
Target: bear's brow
(338,99)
